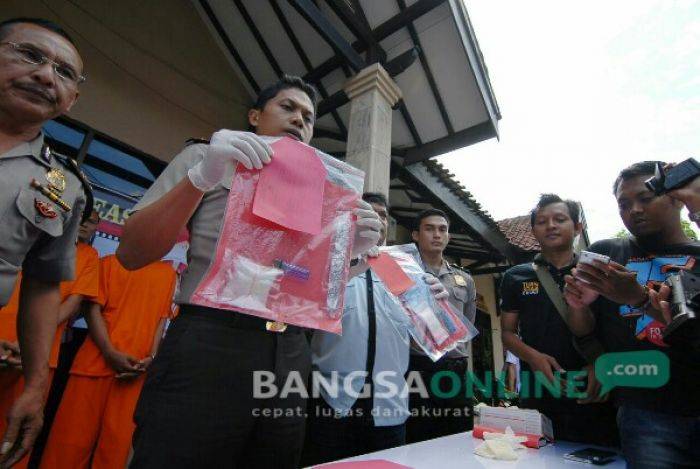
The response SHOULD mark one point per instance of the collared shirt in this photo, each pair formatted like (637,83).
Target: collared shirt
(36,235)
(460,286)
(340,359)
(205,223)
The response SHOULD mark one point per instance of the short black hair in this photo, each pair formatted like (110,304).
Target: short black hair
(286,82)
(6,27)
(642,168)
(430,212)
(547,199)
(375,198)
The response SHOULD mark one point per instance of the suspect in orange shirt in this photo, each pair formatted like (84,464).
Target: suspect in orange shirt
(94,424)
(73,293)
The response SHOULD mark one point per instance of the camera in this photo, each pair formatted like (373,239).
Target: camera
(675,178)
(684,301)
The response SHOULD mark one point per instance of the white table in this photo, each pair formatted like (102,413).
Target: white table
(457,451)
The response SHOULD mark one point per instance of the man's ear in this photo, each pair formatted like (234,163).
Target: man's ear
(254,117)
(414,235)
(75,99)
(676,203)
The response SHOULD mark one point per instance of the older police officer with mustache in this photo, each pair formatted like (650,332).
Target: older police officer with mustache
(42,197)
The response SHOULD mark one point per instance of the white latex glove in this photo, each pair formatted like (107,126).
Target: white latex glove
(373,251)
(368,228)
(228,147)
(503,446)
(438,289)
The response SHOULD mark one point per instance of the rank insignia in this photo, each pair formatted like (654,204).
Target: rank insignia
(56,180)
(459,280)
(45,209)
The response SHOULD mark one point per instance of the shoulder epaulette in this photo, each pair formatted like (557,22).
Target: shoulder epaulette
(87,188)
(194,141)
(460,268)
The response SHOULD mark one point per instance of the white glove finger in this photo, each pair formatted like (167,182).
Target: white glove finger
(430,279)
(372,223)
(373,252)
(241,157)
(262,149)
(369,234)
(362,213)
(246,149)
(361,204)
(443,295)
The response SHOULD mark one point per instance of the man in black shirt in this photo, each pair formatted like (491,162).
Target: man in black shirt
(658,427)
(534,330)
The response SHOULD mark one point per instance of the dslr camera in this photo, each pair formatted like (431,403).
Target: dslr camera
(675,178)
(684,301)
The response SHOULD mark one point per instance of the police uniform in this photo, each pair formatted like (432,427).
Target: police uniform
(197,408)
(42,197)
(434,417)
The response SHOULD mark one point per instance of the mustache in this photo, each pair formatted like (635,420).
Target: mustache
(38,90)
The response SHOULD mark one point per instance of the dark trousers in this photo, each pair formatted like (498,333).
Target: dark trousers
(198,407)
(330,437)
(652,440)
(434,416)
(592,424)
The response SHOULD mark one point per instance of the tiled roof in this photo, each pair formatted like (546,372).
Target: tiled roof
(519,233)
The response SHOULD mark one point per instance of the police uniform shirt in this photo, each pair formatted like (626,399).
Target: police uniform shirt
(205,224)
(37,236)
(460,286)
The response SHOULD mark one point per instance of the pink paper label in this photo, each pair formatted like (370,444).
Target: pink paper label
(290,188)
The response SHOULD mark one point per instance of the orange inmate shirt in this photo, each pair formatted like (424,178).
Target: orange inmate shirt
(86,283)
(133,302)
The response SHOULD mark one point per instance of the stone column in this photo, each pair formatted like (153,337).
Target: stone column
(372,94)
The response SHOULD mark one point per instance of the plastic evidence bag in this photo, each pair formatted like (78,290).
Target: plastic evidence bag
(434,325)
(284,248)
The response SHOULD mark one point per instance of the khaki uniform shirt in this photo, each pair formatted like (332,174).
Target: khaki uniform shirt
(36,235)
(205,224)
(460,286)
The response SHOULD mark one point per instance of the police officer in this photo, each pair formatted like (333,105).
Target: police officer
(434,416)
(197,407)
(42,198)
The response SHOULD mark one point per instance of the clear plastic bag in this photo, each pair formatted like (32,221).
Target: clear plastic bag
(264,269)
(434,325)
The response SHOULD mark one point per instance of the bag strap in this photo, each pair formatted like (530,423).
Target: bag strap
(552,290)
(588,347)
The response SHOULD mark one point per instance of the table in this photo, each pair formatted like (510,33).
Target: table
(457,451)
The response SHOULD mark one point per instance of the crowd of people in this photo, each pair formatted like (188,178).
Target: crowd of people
(162,382)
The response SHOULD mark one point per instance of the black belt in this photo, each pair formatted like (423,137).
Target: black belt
(238,320)
(423,363)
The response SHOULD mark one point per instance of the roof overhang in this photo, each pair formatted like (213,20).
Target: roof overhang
(427,46)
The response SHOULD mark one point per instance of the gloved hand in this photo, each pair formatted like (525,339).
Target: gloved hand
(436,287)
(228,147)
(368,228)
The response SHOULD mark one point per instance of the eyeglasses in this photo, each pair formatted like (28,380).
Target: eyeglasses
(34,56)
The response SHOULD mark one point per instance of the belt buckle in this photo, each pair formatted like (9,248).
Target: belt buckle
(275,326)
